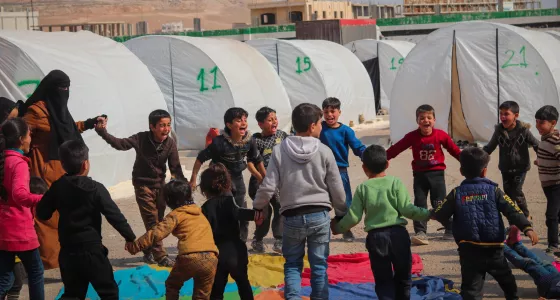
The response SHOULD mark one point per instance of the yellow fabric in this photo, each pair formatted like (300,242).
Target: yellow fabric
(267,271)
(17,260)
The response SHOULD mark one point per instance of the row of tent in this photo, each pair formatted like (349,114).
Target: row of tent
(464,71)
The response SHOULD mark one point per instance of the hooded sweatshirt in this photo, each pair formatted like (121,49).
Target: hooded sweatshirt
(305,172)
(80,201)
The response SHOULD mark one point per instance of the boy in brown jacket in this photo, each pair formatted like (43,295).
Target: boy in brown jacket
(154,149)
(197,256)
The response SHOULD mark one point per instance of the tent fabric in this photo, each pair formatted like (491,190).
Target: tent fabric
(555,34)
(313,70)
(201,78)
(495,63)
(372,67)
(106,78)
(390,54)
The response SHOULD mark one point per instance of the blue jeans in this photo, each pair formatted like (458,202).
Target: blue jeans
(347,186)
(315,229)
(524,259)
(33,266)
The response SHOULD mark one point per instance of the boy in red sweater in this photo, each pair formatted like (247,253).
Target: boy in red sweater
(428,166)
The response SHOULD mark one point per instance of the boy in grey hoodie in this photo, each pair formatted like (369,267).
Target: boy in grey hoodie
(305,172)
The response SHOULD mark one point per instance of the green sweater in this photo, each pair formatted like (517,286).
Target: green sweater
(385,201)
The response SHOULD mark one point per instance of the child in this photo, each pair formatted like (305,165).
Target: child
(339,137)
(80,202)
(385,201)
(305,172)
(513,137)
(266,140)
(224,215)
(548,161)
(197,256)
(545,275)
(428,166)
(478,228)
(17,232)
(232,148)
(153,149)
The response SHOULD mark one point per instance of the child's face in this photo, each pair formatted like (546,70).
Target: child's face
(508,118)
(238,127)
(544,126)
(316,129)
(426,121)
(25,142)
(161,130)
(331,115)
(270,124)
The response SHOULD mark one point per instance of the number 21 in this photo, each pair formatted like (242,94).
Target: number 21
(511,54)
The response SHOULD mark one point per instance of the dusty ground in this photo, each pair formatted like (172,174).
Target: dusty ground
(440,257)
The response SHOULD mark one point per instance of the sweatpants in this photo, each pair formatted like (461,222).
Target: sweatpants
(234,261)
(273,220)
(513,187)
(151,203)
(200,266)
(552,194)
(238,191)
(432,182)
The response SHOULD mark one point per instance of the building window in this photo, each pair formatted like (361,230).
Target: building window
(341,14)
(324,14)
(315,15)
(335,14)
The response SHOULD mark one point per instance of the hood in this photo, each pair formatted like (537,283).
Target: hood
(244,140)
(80,183)
(191,209)
(301,149)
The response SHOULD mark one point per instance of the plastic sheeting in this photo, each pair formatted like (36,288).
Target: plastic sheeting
(495,63)
(313,70)
(555,34)
(201,78)
(106,78)
(390,54)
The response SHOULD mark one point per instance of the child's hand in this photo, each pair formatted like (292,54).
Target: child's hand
(333,227)
(533,236)
(129,246)
(536,163)
(193,183)
(259,217)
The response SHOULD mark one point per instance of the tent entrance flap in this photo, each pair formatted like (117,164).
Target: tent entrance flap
(457,126)
(372,67)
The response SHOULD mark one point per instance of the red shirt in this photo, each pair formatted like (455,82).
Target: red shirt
(426,149)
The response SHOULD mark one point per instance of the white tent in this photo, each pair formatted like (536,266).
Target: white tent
(201,78)
(314,70)
(382,60)
(105,77)
(467,70)
(555,34)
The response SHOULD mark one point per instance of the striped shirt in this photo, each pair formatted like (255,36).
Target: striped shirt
(548,159)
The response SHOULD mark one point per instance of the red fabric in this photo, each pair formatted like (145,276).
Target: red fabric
(17,231)
(426,150)
(353,268)
(556,265)
(214,132)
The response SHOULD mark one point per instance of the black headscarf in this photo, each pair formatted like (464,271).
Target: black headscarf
(51,91)
(6,107)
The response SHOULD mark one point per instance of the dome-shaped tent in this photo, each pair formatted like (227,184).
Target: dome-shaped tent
(555,34)
(105,78)
(201,78)
(382,60)
(467,70)
(314,70)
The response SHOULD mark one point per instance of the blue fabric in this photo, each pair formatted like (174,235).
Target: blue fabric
(17,150)
(313,228)
(340,140)
(477,217)
(347,187)
(33,266)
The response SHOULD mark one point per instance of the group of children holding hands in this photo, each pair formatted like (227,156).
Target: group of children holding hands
(296,180)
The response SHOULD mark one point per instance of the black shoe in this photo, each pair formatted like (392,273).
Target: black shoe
(149,259)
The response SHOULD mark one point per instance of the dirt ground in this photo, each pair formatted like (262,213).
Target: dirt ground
(440,258)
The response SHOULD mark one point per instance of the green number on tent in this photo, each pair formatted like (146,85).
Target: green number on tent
(522,52)
(200,78)
(511,53)
(298,62)
(507,64)
(400,62)
(34,82)
(306,62)
(215,72)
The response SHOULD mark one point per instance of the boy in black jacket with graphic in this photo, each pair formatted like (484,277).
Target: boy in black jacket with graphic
(514,138)
(80,201)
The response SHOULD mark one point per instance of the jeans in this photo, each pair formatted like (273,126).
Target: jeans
(552,194)
(313,228)
(238,191)
(513,187)
(33,266)
(432,182)
(524,259)
(391,262)
(347,186)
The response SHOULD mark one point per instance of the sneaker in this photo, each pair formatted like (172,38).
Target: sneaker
(551,249)
(149,259)
(166,262)
(348,236)
(258,246)
(420,239)
(448,235)
(277,246)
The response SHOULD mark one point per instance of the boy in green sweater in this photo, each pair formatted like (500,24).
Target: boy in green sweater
(386,202)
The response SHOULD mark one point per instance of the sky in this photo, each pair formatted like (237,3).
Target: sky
(544,3)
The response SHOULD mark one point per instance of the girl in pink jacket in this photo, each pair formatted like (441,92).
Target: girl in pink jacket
(17,232)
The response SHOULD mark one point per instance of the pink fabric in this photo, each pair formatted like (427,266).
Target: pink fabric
(514,235)
(556,265)
(17,231)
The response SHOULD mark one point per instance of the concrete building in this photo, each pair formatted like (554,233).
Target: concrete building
(18,18)
(172,27)
(270,12)
(430,7)
(108,29)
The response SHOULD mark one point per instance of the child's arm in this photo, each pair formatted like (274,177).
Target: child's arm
(405,207)
(174,162)
(270,183)
(334,184)
(253,170)
(355,144)
(399,147)
(446,209)
(512,212)
(255,157)
(241,214)
(203,156)
(118,143)
(532,140)
(162,230)
(20,186)
(46,207)
(451,147)
(113,214)
(354,215)
(492,144)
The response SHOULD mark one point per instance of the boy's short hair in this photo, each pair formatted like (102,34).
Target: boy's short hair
(263,113)
(473,160)
(156,115)
(37,185)
(72,154)
(547,113)
(304,115)
(331,102)
(425,108)
(510,105)
(178,193)
(232,114)
(375,159)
